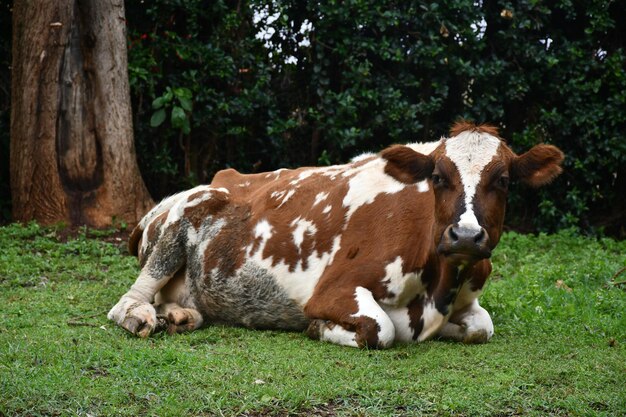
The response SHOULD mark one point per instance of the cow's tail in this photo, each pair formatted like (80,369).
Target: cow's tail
(134,239)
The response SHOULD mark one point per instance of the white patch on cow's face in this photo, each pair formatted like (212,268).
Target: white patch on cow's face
(302,227)
(367,182)
(327,209)
(471,152)
(368,307)
(425,148)
(319,198)
(433,320)
(403,286)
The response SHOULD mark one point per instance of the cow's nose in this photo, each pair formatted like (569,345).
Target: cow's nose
(465,235)
(465,242)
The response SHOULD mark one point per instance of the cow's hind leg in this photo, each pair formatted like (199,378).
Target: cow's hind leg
(134,311)
(360,324)
(175,309)
(179,319)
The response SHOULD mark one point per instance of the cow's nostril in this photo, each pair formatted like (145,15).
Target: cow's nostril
(480,236)
(452,234)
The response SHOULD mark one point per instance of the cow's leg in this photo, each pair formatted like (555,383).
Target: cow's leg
(349,318)
(179,319)
(174,305)
(134,311)
(471,324)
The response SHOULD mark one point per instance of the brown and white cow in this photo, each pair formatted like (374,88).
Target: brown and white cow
(390,247)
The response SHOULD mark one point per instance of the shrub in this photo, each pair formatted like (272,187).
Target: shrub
(262,84)
(285,83)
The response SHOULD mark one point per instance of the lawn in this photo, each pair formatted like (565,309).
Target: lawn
(559,348)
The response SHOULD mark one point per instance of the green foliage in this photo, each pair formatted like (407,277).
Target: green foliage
(273,83)
(285,83)
(201,91)
(558,350)
(181,109)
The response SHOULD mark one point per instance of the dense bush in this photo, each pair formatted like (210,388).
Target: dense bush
(284,83)
(266,83)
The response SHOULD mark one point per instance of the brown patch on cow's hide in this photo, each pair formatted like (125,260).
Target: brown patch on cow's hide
(406,165)
(416,310)
(366,332)
(198,213)
(243,186)
(226,251)
(285,215)
(352,252)
(393,225)
(478,274)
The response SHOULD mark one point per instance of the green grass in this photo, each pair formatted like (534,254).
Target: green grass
(556,352)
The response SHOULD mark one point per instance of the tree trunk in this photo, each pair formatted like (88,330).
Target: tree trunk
(72,150)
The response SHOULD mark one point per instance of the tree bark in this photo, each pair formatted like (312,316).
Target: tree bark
(72,150)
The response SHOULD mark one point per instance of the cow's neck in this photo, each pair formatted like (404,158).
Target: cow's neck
(444,281)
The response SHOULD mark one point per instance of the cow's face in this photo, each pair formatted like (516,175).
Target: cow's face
(470,179)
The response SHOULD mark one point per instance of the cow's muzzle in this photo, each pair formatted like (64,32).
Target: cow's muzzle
(464,244)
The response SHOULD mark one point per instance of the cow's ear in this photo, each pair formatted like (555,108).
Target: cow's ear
(539,166)
(406,165)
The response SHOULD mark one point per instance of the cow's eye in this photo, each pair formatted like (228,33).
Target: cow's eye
(503,182)
(437,180)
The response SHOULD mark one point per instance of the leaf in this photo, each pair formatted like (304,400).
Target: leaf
(185,103)
(178,117)
(158,102)
(182,92)
(157,118)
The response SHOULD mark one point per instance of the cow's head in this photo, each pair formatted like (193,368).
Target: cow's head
(470,180)
(470,177)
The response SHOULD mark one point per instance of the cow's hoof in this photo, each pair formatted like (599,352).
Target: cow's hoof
(137,317)
(476,337)
(181,320)
(314,331)
(138,327)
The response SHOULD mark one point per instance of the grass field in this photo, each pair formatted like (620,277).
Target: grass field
(559,347)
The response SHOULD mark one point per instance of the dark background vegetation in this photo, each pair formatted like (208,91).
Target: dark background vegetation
(262,84)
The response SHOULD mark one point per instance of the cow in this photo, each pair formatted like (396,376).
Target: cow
(390,247)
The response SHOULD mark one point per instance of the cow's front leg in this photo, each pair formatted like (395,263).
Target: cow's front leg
(471,324)
(349,318)
(134,311)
